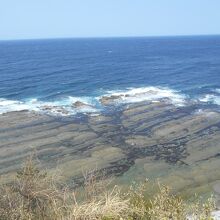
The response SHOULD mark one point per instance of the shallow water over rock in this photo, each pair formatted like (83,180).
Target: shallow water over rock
(178,145)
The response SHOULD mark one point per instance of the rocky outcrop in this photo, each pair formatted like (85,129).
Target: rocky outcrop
(141,140)
(54,109)
(108,100)
(79,104)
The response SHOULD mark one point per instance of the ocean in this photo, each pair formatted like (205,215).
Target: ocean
(130,108)
(57,73)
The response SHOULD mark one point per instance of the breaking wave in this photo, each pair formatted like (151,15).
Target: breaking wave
(150,93)
(71,105)
(64,107)
(211,98)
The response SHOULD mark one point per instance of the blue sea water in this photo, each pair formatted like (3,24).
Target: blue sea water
(34,73)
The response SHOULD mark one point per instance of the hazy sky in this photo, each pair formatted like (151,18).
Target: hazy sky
(24,19)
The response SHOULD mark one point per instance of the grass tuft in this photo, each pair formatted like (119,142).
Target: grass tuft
(35,195)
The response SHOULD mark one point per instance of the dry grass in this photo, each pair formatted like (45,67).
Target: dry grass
(35,195)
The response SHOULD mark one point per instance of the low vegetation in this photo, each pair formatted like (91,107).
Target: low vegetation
(35,195)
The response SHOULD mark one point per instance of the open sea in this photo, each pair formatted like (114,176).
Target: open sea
(57,73)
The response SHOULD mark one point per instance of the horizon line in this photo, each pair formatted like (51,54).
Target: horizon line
(111,37)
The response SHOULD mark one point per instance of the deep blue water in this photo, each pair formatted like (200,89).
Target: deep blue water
(52,70)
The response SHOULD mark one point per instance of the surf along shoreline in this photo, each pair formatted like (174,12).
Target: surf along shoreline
(152,138)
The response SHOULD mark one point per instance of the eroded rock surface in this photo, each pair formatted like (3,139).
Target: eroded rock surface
(153,140)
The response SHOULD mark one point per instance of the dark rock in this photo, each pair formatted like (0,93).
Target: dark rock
(79,104)
(54,109)
(107,100)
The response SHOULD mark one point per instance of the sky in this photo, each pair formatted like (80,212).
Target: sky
(33,19)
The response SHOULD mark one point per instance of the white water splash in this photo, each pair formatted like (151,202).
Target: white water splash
(150,93)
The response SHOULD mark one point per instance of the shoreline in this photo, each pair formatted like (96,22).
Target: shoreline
(178,145)
(67,106)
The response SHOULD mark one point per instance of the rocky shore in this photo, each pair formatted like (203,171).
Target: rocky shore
(178,145)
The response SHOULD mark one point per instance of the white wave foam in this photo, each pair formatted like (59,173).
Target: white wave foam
(210,98)
(12,105)
(65,106)
(150,93)
(62,107)
(217,90)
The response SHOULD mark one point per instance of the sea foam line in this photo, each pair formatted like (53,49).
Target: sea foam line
(62,107)
(65,106)
(132,95)
(210,98)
